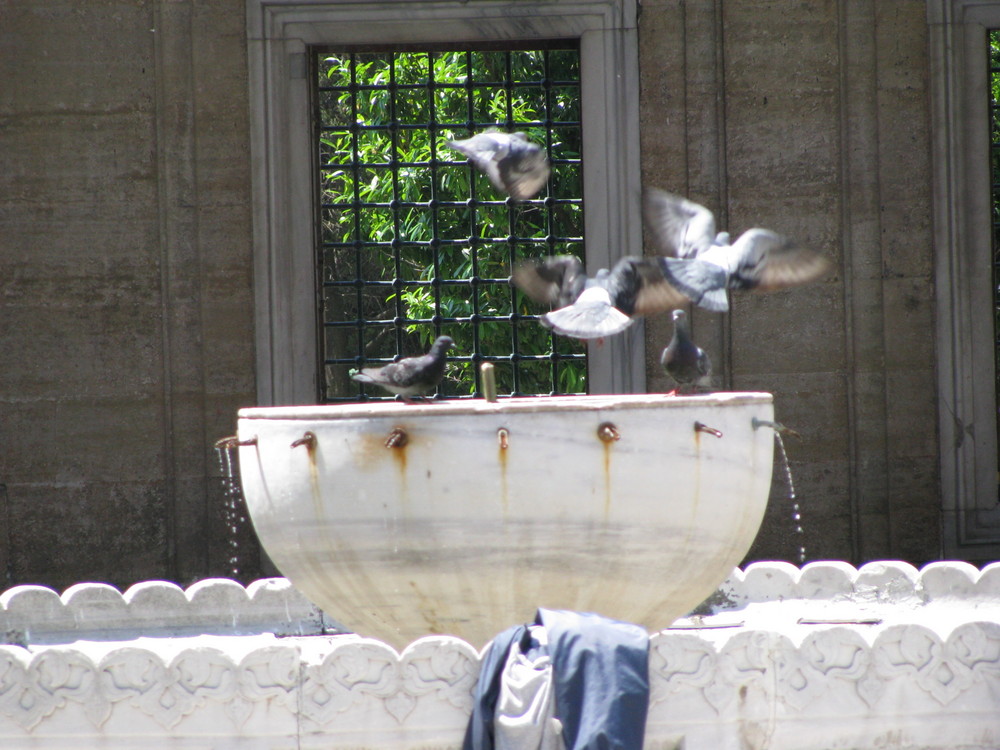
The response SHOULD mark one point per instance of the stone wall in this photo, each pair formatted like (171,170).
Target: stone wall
(126,309)
(126,340)
(812,119)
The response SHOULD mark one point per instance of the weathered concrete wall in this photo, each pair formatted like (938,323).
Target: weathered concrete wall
(126,341)
(125,293)
(812,119)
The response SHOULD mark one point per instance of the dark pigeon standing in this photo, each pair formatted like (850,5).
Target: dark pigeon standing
(413,376)
(685,361)
(705,265)
(593,308)
(515,165)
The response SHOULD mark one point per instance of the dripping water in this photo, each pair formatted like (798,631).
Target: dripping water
(235,507)
(796,509)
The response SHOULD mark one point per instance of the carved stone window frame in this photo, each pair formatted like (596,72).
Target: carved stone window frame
(279,35)
(967,408)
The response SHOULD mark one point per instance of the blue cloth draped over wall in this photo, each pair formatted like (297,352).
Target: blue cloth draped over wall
(600,671)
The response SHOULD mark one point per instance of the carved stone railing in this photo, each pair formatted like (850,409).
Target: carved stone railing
(892,582)
(215,606)
(917,666)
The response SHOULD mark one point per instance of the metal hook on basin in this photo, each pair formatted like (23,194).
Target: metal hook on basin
(699,427)
(233,441)
(307,439)
(503,437)
(776,426)
(608,433)
(396,438)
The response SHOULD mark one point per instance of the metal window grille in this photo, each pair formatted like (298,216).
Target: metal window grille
(994,93)
(412,241)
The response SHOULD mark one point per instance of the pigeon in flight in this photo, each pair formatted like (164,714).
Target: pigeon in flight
(514,164)
(593,308)
(413,376)
(704,264)
(684,360)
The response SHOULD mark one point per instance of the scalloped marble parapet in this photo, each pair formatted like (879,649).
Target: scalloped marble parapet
(785,658)
(889,580)
(37,614)
(747,689)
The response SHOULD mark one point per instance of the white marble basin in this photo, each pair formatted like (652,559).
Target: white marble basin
(477,513)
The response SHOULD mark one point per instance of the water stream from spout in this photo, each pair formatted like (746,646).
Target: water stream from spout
(235,506)
(796,509)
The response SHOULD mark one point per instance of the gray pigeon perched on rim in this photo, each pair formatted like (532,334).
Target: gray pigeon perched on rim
(705,265)
(684,360)
(413,376)
(593,308)
(514,164)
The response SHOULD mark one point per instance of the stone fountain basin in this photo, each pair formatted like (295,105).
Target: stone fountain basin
(463,517)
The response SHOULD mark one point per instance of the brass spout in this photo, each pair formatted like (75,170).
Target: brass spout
(608,433)
(699,427)
(396,438)
(776,426)
(308,439)
(233,441)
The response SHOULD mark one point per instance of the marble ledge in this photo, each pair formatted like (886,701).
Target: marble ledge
(214,606)
(907,688)
(218,606)
(824,656)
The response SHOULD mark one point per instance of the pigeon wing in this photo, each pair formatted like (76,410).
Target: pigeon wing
(403,374)
(638,287)
(410,376)
(702,282)
(392,377)
(483,150)
(763,260)
(523,171)
(555,280)
(677,227)
(395,376)
(367,375)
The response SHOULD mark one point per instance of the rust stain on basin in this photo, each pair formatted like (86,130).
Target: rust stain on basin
(607,480)
(399,455)
(502,460)
(314,475)
(608,434)
(503,446)
(396,443)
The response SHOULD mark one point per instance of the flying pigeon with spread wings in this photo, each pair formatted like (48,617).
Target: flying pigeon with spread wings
(599,306)
(515,165)
(705,264)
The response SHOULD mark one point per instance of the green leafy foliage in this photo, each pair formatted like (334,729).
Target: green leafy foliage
(416,243)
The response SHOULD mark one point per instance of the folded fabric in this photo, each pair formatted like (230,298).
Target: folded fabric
(600,681)
(525,710)
(479,731)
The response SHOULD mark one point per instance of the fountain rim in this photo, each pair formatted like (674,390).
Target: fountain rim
(520,404)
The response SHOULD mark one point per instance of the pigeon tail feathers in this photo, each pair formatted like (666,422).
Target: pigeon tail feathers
(592,316)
